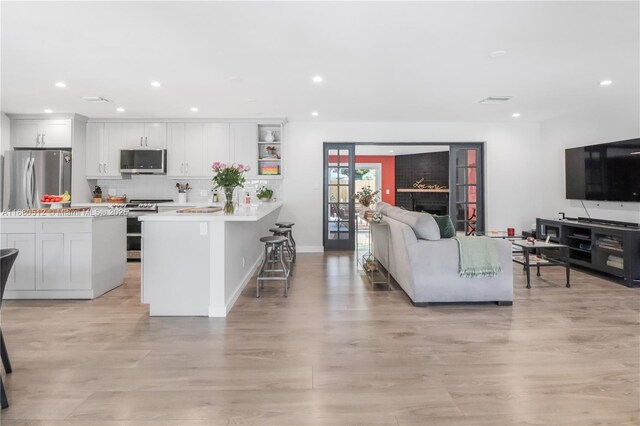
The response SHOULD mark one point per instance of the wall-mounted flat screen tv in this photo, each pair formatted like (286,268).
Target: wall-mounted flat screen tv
(604,172)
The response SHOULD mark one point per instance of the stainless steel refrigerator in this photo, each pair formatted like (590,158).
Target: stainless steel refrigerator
(28,175)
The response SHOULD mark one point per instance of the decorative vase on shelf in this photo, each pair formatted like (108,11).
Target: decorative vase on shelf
(229,206)
(269,137)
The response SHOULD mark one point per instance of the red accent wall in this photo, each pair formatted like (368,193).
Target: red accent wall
(388,167)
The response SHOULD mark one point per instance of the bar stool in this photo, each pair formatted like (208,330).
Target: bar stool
(273,252)
(286,232)
(290,236)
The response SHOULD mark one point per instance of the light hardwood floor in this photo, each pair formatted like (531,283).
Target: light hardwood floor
(333,353)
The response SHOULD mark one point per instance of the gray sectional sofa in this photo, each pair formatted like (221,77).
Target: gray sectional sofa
(426,266)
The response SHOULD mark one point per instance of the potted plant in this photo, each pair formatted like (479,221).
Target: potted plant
(264,193)
(366,196)
(182,192)
(228,177)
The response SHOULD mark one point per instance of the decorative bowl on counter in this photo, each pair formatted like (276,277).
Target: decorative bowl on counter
(117,200)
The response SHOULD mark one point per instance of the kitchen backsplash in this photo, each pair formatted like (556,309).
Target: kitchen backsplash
(160,187)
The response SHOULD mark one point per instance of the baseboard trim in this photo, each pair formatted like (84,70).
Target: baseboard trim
(222,311)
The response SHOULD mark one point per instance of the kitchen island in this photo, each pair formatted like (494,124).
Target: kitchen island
(197,264)
(80,254)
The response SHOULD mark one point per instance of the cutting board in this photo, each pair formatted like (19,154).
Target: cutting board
(201,210)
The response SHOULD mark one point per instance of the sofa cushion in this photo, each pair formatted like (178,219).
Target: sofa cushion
(447,230)
(383,207)
(423,224)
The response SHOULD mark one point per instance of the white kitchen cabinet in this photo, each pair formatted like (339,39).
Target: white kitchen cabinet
(41,133)
(145,136)
(50,262)
(194,137)
(22,276)
(217,145)
(104,141)
(175,150)
(77,260)
(62,258)
(193,147)
(244,148)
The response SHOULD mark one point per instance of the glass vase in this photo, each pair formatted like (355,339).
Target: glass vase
(229,207)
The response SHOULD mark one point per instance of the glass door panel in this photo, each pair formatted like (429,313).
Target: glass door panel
(466,200)
(338,226)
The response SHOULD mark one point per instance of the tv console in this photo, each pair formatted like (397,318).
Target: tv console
(609,222)
(605,246)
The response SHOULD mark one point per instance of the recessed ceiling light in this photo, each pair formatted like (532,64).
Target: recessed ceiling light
(515,114)
(317,79)
(605,82)
(390,150)
(48,111)
(156,84)
(193,109)
(497,54)
(61,84)
(315,113)
(120,109)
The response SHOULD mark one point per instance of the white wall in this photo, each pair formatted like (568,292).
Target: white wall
(586,128)
(512,159)
(5,144)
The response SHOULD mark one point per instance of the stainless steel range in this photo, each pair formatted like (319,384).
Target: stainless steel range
(137,208)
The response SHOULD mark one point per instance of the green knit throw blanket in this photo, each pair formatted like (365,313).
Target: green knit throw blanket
(479,257)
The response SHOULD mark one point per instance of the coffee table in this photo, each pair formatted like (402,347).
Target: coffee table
(539,262)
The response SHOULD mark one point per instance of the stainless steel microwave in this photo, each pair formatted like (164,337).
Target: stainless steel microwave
(143,161)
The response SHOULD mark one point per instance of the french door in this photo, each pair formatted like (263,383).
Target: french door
(466,193)
(338,202)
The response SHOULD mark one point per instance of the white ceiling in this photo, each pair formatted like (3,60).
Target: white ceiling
(382,61)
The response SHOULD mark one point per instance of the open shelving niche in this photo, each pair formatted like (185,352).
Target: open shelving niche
(270,163)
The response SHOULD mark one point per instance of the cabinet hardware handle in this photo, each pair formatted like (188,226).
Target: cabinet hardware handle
(42,139)
(181,167)
(38,139)
(140,140)
(146,141)
(99,167)
(105,167)
(186,170)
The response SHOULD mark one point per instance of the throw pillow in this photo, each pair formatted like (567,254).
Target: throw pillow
(447,230)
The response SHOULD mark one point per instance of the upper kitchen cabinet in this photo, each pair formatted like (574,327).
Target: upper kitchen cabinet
(41,133)
(217,146)
(243,146)
(193,147)
(145,136)
(104,141)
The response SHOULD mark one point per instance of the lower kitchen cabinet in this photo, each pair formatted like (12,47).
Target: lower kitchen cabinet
(65,258)
(23,274)
(50,262)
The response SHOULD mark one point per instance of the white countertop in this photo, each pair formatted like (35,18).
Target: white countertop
(89,214)
(167,204)
(243,213)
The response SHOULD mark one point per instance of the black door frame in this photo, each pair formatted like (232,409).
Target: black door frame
(481,146)
(338,244)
